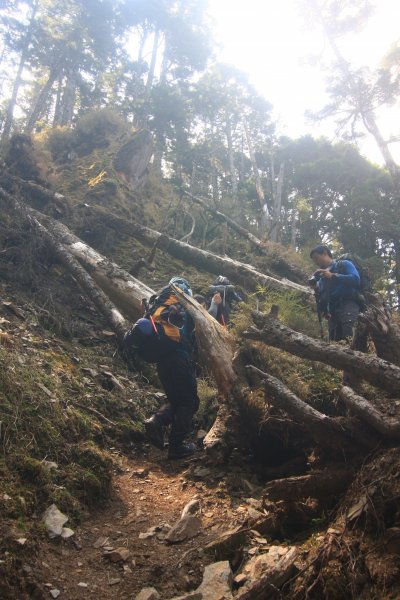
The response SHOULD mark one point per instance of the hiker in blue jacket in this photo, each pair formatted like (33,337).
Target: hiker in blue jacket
(337,288)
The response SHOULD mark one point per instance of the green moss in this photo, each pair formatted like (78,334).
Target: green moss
(30,470)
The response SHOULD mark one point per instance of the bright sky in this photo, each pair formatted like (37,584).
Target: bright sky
(269,40)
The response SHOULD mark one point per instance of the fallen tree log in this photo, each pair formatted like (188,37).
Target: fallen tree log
(387,426)
(376,371)
(280,262)
(318,484)
(216,346)
(99,298)
(237,271)
(329,432)
(123,289)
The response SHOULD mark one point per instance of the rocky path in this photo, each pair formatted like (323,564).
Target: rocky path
(122,549)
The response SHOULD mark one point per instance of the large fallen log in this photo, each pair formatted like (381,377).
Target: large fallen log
(99,298)
(387,426)
(216,346)
(237,271)
(124,290)
(278,261)
(376,371)
(329,432)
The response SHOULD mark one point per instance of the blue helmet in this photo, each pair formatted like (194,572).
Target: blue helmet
(183,284)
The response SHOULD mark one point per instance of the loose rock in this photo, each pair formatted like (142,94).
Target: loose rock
(191,508)
(54,520)
(149,593)
(119,554)
(217,581)
(184,529)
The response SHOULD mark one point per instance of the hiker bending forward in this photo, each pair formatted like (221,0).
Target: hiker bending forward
(173,344)
(337,287)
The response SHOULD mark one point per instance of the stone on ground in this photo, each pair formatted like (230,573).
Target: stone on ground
(184,529)
(191,508)
(148,593)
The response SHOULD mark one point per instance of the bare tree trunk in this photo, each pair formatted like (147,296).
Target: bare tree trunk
(57,106)
(143,39)
(376,371)
(68,99)
(276,225)
(239,272)
(99,298)
(318,484)
(8,121)
(231,159)
(216,345)
(41,100)
(259,188)
(293,229)
(153,62)
(384,331)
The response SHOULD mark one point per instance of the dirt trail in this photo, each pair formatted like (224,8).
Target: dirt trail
(138,504)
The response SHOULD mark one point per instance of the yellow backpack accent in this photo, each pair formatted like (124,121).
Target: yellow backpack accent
(172,332)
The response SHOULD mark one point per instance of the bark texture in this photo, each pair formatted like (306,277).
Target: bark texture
(124,291)
(319,484)
(238,272)
(98,297)
(360,406)
(376,371)
(216,345)
(329,432)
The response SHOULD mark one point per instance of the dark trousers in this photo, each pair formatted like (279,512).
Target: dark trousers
(178,379)
(342,320)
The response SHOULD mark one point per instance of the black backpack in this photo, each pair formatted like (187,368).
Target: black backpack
(364,274)
(156,334)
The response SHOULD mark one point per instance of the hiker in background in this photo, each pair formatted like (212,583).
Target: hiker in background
(211,307)
(165,336)
(222,297)
(337,286)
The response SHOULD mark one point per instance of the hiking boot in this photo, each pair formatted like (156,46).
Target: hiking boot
(154,432)
(181,451)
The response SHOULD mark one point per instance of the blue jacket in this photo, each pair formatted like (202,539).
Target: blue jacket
(344,286)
